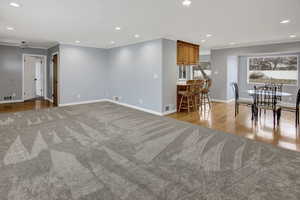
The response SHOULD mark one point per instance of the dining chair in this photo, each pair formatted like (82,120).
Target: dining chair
(279,92)
(239,101)
(294,108)
(187,96)
(279,88)
(265,98)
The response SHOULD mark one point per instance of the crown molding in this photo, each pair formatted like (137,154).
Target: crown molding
(19,45)
(260,43)
(9,44)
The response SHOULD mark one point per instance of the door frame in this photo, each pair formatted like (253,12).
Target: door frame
(58,77)
(45,73)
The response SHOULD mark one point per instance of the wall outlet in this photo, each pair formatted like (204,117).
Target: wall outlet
(155,76)
(116,98)
(78,96)
(167,108)
(141,101)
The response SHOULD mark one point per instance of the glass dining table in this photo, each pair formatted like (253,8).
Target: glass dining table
(283,94)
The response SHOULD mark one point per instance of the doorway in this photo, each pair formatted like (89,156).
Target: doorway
(34,77)
(55,79)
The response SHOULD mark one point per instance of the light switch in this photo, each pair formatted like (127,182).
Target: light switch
(155,76)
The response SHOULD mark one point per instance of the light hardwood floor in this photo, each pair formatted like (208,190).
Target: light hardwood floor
(24,106)
(221,117)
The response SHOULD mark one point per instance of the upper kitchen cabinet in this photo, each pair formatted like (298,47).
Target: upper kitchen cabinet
(180,53)
(187,53)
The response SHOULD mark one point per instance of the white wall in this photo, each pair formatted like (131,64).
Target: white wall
(232,74)
(135,74)
(143,74)
(11,67)
(169,74)
(82,74)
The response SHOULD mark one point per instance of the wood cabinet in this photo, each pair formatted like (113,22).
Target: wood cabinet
(187,53)
(180,53)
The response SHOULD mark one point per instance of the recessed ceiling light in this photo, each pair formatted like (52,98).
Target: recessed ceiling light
(13,4)
(232,43)
(136,35)
(186,3)
(9,28)
(112,42)
(77,41)
(293,36)
(208,35)
(118,28)
(203,41)
(286,21)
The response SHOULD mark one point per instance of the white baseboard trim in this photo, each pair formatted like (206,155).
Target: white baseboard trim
(81,102)
(169,112)
(135,107)
(222,101)
(12,101)
(246,99)
(51,100)
(119,103)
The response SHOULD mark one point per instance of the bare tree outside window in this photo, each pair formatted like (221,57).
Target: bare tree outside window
(273,69)
(202,71)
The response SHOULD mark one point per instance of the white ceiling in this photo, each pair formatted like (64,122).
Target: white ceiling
(245,22)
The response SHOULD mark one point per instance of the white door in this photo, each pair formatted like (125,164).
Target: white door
(33,77)
(39,78)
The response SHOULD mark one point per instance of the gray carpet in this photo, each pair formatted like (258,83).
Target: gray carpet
(105,151)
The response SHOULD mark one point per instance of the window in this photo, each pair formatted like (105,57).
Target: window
(281,69)
(182,72)
(201,72)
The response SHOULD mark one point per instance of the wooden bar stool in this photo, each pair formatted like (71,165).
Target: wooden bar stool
(205,97)
(187,97)
(198,89)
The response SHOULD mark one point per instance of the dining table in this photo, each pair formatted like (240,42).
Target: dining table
(283,94)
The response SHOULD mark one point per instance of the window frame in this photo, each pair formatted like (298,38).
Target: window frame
(181,71)
(270,56)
